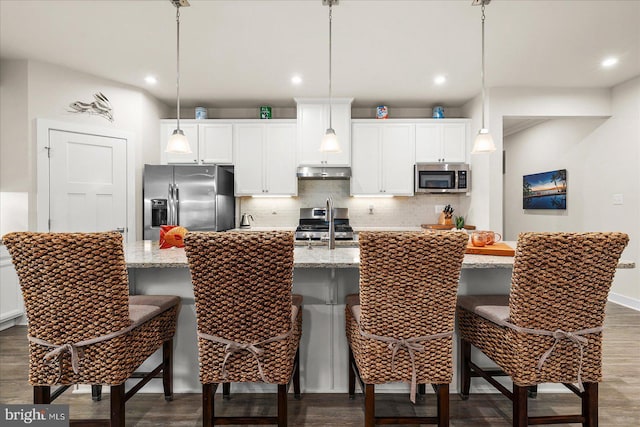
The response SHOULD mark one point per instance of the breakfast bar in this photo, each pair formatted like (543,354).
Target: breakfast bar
(324,277)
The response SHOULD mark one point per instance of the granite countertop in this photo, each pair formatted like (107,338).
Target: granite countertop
(146,254)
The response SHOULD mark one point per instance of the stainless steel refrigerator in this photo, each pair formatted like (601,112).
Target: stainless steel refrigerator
(199,198)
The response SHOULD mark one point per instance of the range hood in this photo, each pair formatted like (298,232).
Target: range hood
(323,172)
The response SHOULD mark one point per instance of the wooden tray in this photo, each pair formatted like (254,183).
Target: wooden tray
(445,227)
(500,249)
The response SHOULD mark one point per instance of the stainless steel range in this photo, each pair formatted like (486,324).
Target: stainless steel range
(314,226)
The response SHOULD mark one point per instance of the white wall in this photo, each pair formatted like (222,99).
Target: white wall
(602,158)
(14,132)
(613,151)
(486,203)
(49,91)
(555,144)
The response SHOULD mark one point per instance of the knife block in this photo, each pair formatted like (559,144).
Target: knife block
(443,220)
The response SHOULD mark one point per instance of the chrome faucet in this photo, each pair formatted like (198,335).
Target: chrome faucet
(329,217)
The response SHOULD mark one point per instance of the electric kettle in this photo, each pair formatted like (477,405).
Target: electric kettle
(244,221)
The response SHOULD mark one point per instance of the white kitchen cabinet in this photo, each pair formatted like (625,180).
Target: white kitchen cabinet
(265,159)
(11,305)
(313,121)
(215,143)
(442,141)
(211,142)
(383,156)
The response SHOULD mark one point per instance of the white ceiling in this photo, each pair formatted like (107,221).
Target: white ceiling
(242,53)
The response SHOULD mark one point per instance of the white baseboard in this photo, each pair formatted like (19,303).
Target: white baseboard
(6,324)
(625,301)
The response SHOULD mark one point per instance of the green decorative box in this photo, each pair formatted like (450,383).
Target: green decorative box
(265,112)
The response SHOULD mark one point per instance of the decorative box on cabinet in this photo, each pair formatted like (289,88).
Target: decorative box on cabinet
(313,121)
(383,155)
(442,141)
(211,142)
(265,161)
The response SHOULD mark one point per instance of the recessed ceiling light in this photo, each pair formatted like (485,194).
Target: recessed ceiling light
(439,80)
(296,80)
(151,80)
(609,62)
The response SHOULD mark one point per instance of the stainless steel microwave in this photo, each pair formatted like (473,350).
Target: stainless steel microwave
(442,178)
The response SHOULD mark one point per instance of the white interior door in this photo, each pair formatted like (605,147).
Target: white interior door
(87,182)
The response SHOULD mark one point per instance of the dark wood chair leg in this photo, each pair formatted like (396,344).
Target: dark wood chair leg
(520,408)
(369,405)
(167,369)
(117,405)
(226,391)
(96,392)
(533,391)
(352,376)
(590,405)
(422,389)
(465,372)
(41,394)
(443,405)
(207,404)
(296,376)
(282,405)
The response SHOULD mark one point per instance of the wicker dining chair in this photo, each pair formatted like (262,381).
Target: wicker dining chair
(83,327)
(549,328)
(400,326)
(249,323)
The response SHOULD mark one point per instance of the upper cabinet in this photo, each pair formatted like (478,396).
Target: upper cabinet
(211,142)
(313,121)
(442,140)
(265,160)
(383,158)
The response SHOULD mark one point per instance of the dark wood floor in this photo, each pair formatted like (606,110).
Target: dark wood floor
(619,393)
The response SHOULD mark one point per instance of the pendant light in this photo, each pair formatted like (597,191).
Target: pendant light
(484,141)
(329,142)
(178,142)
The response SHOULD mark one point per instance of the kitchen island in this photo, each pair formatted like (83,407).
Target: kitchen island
(324,278)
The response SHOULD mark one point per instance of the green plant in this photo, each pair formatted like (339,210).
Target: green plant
(459,221)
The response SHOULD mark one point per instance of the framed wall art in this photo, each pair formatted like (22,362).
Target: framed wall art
(545,190)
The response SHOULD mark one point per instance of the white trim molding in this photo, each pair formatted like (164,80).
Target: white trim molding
(624,301)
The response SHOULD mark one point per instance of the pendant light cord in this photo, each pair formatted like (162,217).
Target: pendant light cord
(482,73)
(330,88)
(178,65)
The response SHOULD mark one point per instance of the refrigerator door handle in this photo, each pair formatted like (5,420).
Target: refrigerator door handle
(170,210)
(177,204)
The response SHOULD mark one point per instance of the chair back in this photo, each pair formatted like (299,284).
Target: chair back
(562,280)
(409,282)
(74,285)
(242,283)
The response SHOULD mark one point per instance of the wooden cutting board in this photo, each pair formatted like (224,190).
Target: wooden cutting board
(444,227)
(500,249)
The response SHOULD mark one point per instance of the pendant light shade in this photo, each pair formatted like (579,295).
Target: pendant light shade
(484,141)
(178,142)
(330,142)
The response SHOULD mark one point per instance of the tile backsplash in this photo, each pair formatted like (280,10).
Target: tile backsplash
(385,212)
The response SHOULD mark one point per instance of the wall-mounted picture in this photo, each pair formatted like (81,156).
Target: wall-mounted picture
(545,190)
